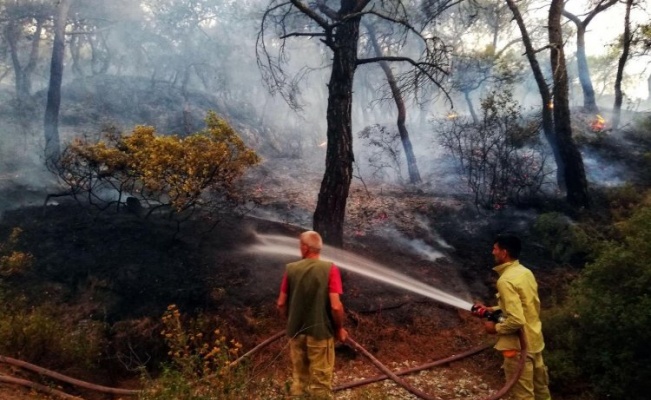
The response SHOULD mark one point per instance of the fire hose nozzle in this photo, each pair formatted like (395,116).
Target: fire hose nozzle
(484,312)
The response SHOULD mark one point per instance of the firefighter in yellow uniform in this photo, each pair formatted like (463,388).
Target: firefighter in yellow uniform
(517,297)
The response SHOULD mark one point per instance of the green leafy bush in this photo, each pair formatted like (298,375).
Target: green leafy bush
(567,241)
(600,336)
(41,335)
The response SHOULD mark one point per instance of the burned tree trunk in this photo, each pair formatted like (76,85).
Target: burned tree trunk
(575,179)
(471,107)
(546,97)
(51,120)
(331,205)
(23,75)
(626,45)
(412,166)
(589,101)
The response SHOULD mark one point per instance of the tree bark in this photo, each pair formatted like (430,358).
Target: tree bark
(51,120)
(543,89)
(589,100)
(330,210)
(619,95)
(577,186)
(471,107)
(23,75)
(412,166)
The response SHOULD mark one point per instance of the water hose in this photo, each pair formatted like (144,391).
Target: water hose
(37,386)
(356,346)
(63,378)
(516,376)
(422,395)
(406,371)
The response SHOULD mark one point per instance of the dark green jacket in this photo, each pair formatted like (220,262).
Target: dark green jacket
(308,299)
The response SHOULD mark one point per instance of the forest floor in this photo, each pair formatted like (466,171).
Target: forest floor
(117,268)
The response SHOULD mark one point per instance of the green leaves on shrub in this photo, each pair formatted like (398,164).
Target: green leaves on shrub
(567,241)
(601,335)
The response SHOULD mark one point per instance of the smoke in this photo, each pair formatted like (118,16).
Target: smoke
(169,68)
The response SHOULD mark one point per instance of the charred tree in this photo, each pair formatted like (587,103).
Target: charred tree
(589,101)
(23,74)
(575,179)
(412,166)
(51,120)
(545,95)
(331,206)
(626,46)
(339,31)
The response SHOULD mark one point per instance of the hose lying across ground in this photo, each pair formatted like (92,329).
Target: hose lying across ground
(394,375)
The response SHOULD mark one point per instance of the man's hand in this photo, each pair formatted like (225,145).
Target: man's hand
(478,310)
(489,326)
(342,335)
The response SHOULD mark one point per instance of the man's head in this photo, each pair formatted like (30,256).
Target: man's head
(506,248)
(311,244)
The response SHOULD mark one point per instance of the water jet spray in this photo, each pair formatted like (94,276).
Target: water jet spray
(288,246)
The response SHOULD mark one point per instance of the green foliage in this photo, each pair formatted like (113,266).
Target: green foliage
(567,241)
(201,362)
(177,173)
(501,159)
(601,335)
(623,201)
(42,335)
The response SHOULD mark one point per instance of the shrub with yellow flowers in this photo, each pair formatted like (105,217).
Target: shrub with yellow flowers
(12,261)
(202,364)
(161,172)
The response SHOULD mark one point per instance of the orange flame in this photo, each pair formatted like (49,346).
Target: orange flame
(323,144)
(598,124)
(452,115)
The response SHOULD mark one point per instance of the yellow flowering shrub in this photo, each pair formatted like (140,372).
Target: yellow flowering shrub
(13,262)
(179,173)
(202,361)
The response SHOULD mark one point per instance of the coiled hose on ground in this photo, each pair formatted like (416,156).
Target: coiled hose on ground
(394,375)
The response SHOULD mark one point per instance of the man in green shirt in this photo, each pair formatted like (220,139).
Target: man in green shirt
(517,297)
(309,299)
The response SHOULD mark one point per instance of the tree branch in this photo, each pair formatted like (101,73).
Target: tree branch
(310,14)
(419,65)
(308,34)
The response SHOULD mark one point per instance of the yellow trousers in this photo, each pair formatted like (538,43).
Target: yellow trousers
(534,381)
(313,363)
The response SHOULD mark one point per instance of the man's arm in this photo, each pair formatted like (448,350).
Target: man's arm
(513,312)
(281,304)
(337,309)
